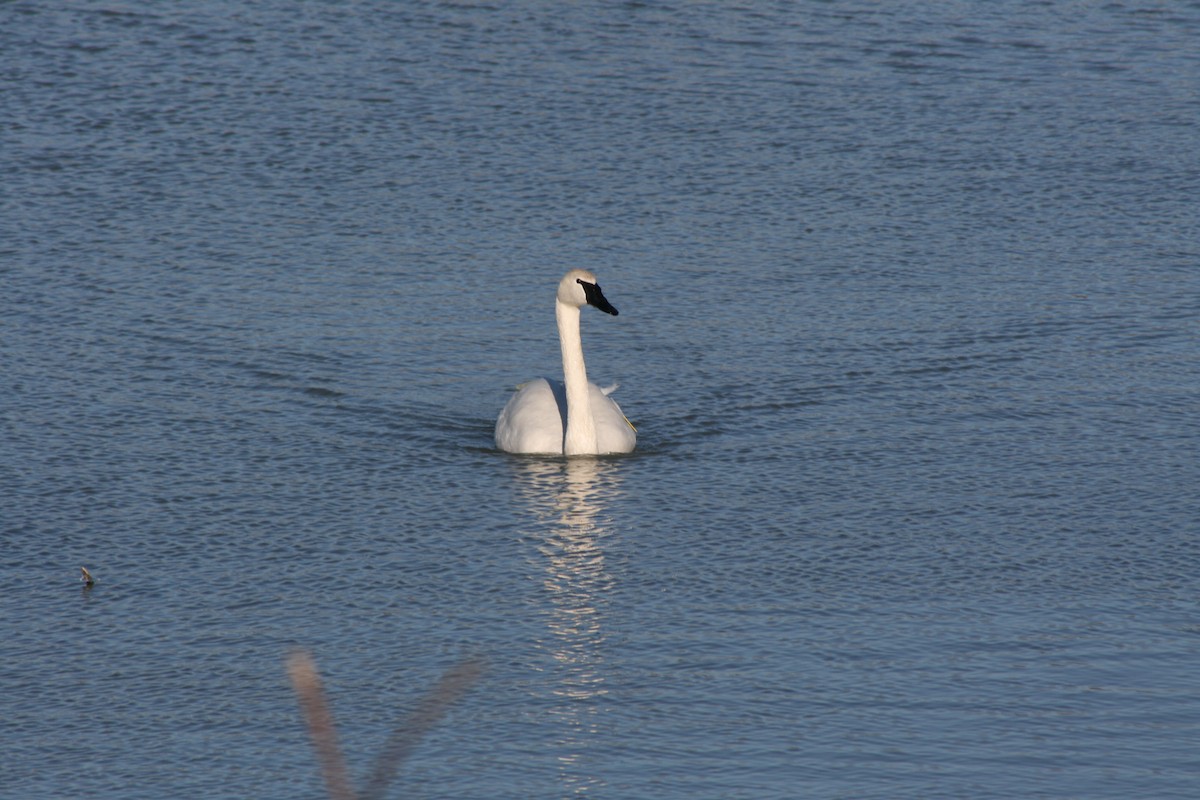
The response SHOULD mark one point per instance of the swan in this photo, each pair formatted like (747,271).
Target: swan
(573,417)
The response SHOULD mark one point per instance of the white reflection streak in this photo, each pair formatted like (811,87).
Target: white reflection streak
(570,496)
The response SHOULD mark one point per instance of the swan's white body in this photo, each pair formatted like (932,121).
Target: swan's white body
(574,417)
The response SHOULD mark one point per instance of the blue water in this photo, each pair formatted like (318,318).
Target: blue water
(909,298)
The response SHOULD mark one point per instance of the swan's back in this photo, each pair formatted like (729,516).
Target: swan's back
(534,420)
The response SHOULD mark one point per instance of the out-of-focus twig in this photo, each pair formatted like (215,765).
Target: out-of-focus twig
(307,685)
(454,684)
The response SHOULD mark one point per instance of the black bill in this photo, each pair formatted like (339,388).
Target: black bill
(596,298)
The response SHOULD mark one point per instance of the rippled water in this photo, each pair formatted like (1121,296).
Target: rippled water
(909,303)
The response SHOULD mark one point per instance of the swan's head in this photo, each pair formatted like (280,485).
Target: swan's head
(578,288)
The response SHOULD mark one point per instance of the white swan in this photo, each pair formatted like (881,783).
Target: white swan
(574,417)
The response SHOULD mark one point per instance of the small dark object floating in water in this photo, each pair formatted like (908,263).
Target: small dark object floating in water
(86,577)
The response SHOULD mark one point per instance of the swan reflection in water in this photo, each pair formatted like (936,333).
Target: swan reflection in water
(569,499)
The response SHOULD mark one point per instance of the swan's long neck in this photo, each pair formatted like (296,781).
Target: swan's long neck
(581,425)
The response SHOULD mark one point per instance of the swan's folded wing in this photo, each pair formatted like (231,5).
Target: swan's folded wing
(614,432)
(532,420)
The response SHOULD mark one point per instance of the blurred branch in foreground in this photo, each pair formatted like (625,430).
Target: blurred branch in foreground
(307,685)
(306,682)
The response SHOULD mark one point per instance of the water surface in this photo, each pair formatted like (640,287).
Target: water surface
(908,329)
